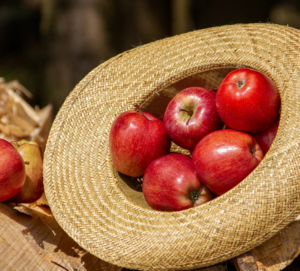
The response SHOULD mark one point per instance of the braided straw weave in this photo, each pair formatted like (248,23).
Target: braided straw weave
(102,211)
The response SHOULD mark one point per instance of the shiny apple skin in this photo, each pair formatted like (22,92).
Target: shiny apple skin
(33,187)
(224,158)
(12,171)
(170,184)
(185,130)
(266,138)
(135,140)
(251,107)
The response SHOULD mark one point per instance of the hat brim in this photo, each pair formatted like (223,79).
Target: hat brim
(99,209)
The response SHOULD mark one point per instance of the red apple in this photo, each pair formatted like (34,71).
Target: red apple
(135,140)
(191,115)
(247,100)
(265,138)
(12,173)
(33,187)
(224,158)
(170,184)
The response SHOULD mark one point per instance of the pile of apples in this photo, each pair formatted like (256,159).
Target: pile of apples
(21,171)
(226,132)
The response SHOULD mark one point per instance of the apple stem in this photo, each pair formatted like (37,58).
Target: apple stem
(26,162)
(241,84)
(189,113)
(139,109)
(194,195)
(183,110)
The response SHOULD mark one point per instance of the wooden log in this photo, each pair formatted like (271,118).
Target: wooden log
(275,254)
(31,239)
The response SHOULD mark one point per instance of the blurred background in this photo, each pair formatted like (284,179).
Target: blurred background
(50,45)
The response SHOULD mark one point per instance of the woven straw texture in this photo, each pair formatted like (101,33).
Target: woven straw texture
(101,209)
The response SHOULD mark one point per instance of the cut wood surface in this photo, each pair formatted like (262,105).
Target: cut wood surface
(275,254)
(31,239)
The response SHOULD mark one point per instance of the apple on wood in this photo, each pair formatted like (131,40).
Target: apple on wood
(135,140)
(12,170)
(170,184)
(191,115)
(247,100)
(224,158)
(33,187)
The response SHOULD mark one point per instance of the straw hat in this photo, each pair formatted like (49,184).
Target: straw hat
(101,209)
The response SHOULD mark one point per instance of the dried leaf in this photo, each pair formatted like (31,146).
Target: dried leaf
(42,200)
(23,209)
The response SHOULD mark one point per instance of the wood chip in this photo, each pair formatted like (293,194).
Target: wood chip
(19,120)
(23,209)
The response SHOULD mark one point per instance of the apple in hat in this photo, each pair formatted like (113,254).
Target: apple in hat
(191,115)
(224,158)
(33,187)
(135,140)
(12,170)
(170,184)
(247,100)
(266,138)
